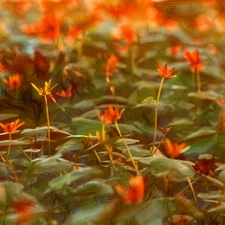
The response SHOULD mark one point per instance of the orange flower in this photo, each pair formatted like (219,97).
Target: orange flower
(111,66)
(134,193)
(24,210)
(11,127)
(2,68)
(48,28)
(164,72)
(65,93)
(194,60)
(110,115)
(174,149)
(13,82)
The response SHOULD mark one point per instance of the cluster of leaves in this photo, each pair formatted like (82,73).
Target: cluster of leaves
(83,80)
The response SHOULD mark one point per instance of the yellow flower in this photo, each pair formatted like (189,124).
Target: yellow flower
(46,90)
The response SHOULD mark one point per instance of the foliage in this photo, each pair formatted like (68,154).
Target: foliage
(112,112)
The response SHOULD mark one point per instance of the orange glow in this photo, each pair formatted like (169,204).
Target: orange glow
(66,93)
(134,193)
(194,60)
(13,82)
(174,149)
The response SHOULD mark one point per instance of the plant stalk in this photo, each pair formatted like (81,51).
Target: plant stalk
(156,113)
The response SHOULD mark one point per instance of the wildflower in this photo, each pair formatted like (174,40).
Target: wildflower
(66,93)
(174,149)
(134,193)
(13,82)
(111,66)
(46,90)
(205,164)
(164,72)
(180,220)
(48,28)
(11,127)
(24,210)
(110,115)
(2,68)
(194,60)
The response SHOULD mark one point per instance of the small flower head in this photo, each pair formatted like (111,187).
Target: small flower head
(66,93)
(24,210)
(205,164)
(111,66)
(174,149)
(134,193)
(46,90)
(2,68)
(164,72)
(194,60)
(13,82)
(11,127)
(110,115)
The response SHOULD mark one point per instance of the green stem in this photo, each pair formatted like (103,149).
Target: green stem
(10,144)
(128,150)
(64,110)
(48,124)
(156,113)
(198,81)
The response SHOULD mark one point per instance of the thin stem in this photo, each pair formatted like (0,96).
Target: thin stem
(64,110)
(192,190)
(156,113)
(48,124)
(109,150)
(198,81)
(128,150)
(10,144)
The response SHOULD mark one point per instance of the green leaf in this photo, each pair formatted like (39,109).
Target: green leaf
(148,213)
(96,214)
(200,133)
(88,172)
(86,126)
(177,170)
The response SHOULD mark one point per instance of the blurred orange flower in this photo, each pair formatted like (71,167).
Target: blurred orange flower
(111,65)
(65,93)
(134,193)
(2,68)
(164,72)
(174,149)
(110,115)
(48,28)
(194,60)
(11,127)
(24,210)
(13,82)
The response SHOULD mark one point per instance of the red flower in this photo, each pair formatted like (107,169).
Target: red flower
(164,72)
(2,68)
(23,208)
(194,60)
(66,93)
(180,221)
(111,66)
(110,115)
(11,127)
(48,28)
(205,164)
(174,149)
(134,193)
(13,82)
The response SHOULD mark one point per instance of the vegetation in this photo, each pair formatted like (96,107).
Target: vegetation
(112,112)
